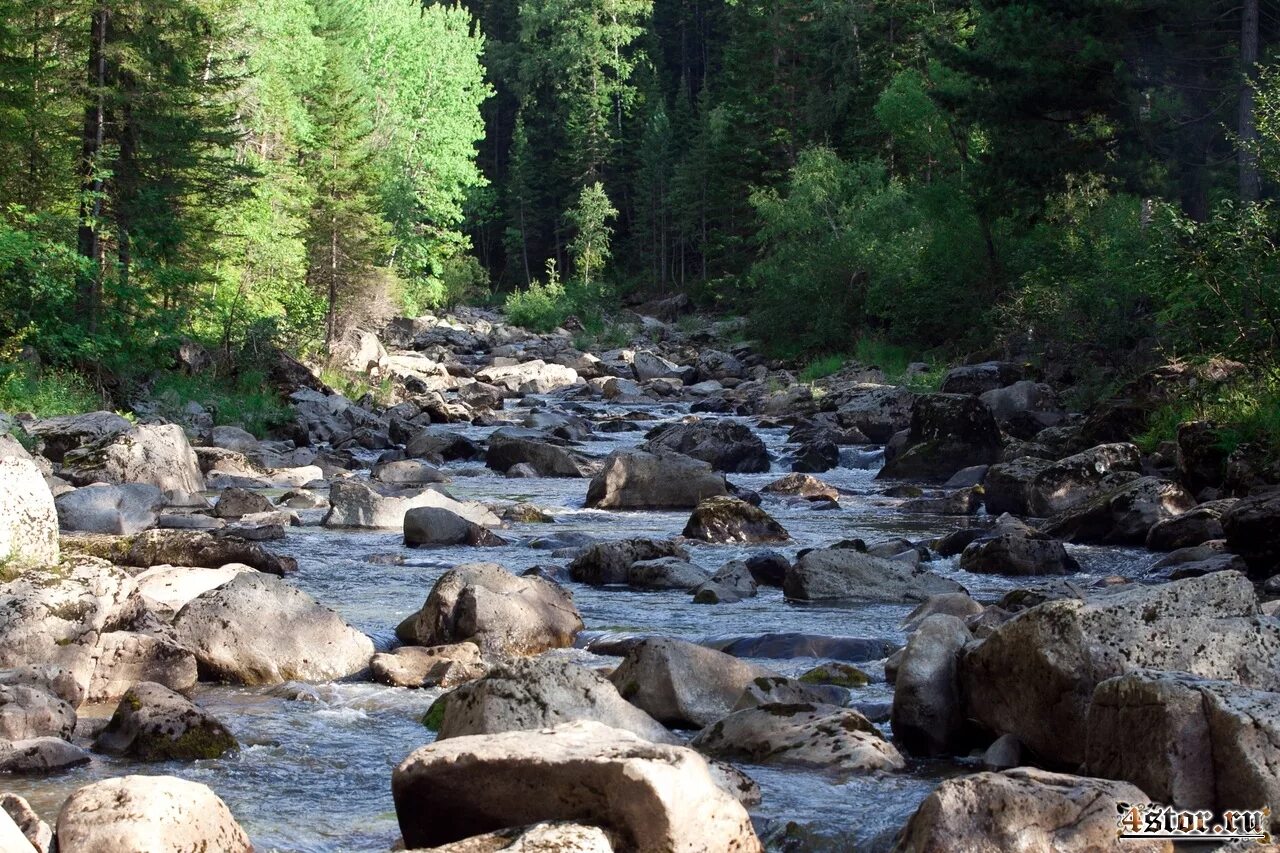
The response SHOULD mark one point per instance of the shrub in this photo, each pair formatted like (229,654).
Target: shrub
(246,400)
(822,367)
(46,393)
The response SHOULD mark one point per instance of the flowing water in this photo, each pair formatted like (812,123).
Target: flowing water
(314,770)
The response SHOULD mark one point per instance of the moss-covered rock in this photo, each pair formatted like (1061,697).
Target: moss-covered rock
(153,723)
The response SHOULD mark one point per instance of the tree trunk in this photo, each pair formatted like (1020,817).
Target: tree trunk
(89,239)
(1250,186)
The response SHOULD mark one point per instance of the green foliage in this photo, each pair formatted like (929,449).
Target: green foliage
(45,393)
(1247,410)
(540,307)
(246,400)
(822,367)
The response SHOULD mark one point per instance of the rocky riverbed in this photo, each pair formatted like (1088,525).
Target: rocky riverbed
(849,633)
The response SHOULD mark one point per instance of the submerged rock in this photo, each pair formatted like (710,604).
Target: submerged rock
(632,479)
(152,723)
(726,519)
(845,573)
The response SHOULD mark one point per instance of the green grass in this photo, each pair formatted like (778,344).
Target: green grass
(46,393)
(822,367)
(1246,411)
(246,400)
(893,361)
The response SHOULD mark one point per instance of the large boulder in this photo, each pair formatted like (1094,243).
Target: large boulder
(1125,515)
(1013,547)
(430,525)
(179,548)
(726,445)
(443,443)
(1024,809)
(665,573)
(981,378)
(1193,527)
(104,508)
(1252,527)
(649,366)
(878,411)
(55,617)
(1007,485)
(609,563)
(257,629)
(530,377)
(631,479)
(503,614)
(123,658)
(508,447)
(683,684)
(28,516)
(726,519)
(153,723)
(538,693)
(826,737)
(156,453)
(40,755)
(948,432)
(1081,478)
(68,432)
(927,715)
(1193,743)
(846,573)
(146,814)
(655,798)
(28,712)
(356,505)
(429,666)
(328,418)
(1035,675)
(407,472)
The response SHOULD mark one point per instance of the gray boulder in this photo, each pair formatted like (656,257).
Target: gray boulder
(878,411)
(948,432)
(632,479)
(68,432)
(1080,479)
(726,445)
(726,519)
(1007,485)
(433,666)
(27,712)
(104,508)
(152,723)
(257,629)
(40,755)
(609,563)
(845,573)
(355,505)
(1013,547)
(429,525)
(1035,675)
(1123,516)
(508,448)
(928,716)
(664,573)
(503,614)
(28,515)
(805,735)
(539,693)
(156,454)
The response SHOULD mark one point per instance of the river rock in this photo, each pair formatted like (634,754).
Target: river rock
(1124,516)
(68,432)
(980,378)
(530,377)
(1024,809)
(780,690)
(145,814)
(1013,547)
(664,573)
(1007,485)
(927,716)
(47,678)
(656,798)
(257,629)
(429,525)
(845,573)
(768,568)
(816,456)
(1023,397)
(558,836)
(1035,675)
(54,617)
(40,755)
(878,411)
(167,589)
(801,734)
(157,454)
(153,723)
(1252,527)
(682,684)
(965,501)
(1194,743)
(28,516)
(233,438)
(539,693)
(408,472)
(1194,527)
(508,448)
(440,442)
(27,712)
(356,505)
(726,519)
(802,486)
(122,658)
(503,614)
(726,445)
(958,604)
(104,508)
(36,831)
(234,503)
(632,479)
(432,666)
(948,432)
(179,548)
(1082,478)
(609,563)
(730,583)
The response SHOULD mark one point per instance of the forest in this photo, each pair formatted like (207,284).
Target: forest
(1084,184)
